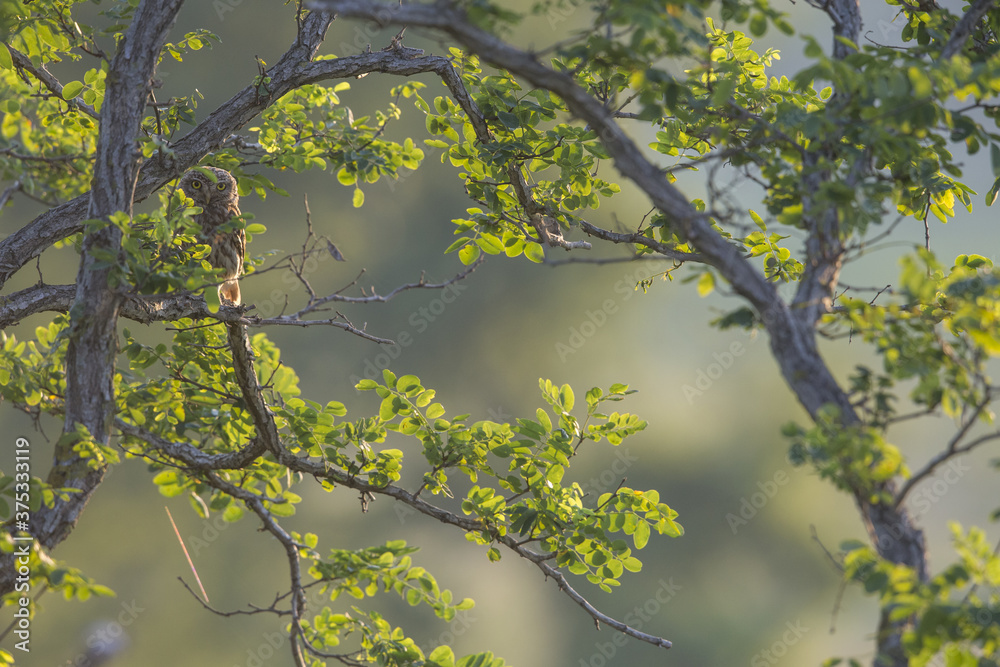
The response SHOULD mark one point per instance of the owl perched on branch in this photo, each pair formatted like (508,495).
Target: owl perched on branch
(220,203)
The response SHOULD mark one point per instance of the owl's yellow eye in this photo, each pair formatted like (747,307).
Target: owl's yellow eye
(221,186)
(196,185)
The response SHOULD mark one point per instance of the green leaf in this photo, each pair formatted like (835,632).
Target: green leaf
(566,397)
(5,60)
(991,196)
(347,177)
(543,419)
(641,535)
(442,656)
(534,252)
(70,90)
(457,244)
(706,283)
(490,244)
(359,198)
(407,382)
(469,254)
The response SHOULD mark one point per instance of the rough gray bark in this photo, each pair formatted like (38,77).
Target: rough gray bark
(93,343)
(963,29)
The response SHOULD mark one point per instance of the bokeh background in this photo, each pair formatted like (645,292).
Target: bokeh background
(724,593)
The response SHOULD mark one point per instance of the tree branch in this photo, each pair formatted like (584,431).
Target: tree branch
(953,449)
(93,342)
(963,29)
(256,505)
(791,330)
(293,69)
(190,455)
(793,344)
(44,77)
(636,238)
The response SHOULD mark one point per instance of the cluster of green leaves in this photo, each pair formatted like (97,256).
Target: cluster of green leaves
(191,387)
(537,454)
(46,143)
(559,159)
(32,378)
(31,371)
(309,128)
(46,140)
(891,111)
(165,250)
(940,332)
(193,400)
(361,574)
(855,458)
(955,612)
(35,569)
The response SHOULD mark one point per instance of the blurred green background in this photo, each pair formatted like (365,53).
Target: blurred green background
(723,593)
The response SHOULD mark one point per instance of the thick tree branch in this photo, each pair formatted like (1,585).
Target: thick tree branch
(846,15)
(792,333)
(267,431)
(793,344)
(93,344)
(824,245)
(888,524)
(965,26)
(190,455)
(294,69)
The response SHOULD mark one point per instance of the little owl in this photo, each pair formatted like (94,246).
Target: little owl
(220,203)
